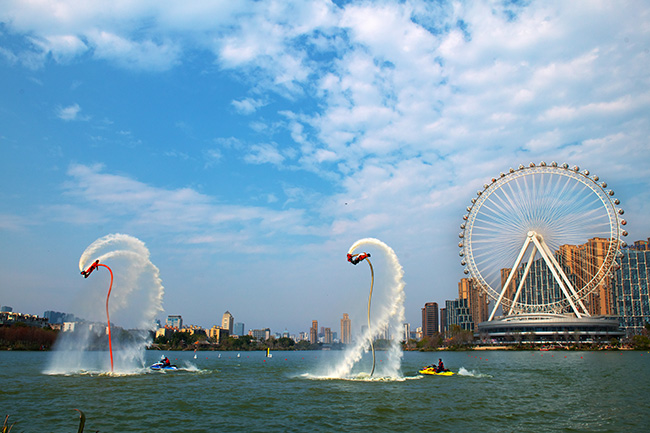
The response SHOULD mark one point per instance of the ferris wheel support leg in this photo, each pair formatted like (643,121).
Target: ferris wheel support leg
(565,278)
(553,269)
(523,278)
(510,277)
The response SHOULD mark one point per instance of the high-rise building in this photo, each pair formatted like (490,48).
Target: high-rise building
(218,334)
(582,262)
(227,321)
(406,332)
(327,336)
(174,321)
(313,332)
(471,307)
(512,287)
(385,333)
(346,329)
(55,317)
(477,302)
(260,334)
(640,245)
(631,285)
(443,320)
(457,312)
(238,329)
(430,319)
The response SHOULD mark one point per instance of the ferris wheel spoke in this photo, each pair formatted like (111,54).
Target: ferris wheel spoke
(509,195)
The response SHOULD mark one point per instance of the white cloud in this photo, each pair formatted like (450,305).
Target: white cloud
(248,106)
(70,113)
(263,154)
(147,54)
(63,48)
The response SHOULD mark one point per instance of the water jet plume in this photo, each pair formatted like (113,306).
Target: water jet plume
(387,314)
(135,300)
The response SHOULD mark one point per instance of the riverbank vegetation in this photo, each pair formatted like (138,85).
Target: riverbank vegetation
(23,337)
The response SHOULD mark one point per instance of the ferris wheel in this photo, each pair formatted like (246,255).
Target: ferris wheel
(541,239)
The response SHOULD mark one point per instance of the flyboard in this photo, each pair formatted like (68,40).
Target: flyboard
(432,372)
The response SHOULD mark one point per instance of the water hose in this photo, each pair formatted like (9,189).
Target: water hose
(365,256)
(372,283)
(110,287)
(86,273)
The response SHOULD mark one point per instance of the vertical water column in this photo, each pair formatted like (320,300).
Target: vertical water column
(387,313)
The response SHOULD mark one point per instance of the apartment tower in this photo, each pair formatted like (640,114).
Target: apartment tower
(346,331)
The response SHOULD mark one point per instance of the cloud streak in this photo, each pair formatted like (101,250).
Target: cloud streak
(199,218)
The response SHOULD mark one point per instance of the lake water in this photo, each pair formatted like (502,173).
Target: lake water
(218,392)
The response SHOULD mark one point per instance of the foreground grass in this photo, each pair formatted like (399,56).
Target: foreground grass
(6,427)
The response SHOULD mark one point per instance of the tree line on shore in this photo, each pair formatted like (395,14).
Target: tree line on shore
(22,337)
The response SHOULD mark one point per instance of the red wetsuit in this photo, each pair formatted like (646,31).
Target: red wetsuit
(90,269)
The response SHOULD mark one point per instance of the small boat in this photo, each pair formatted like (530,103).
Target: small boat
(159,366)
(432,371)
(268,353)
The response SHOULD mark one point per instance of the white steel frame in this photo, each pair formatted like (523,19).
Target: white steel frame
(560,277)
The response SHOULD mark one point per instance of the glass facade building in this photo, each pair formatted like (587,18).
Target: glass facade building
(458,312)
(238,329)
(540,288)
(630,290)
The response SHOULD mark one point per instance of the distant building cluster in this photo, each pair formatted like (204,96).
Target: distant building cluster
(217,333)
(625,294)
(10,318)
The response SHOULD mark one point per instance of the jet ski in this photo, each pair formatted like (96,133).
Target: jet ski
(161,366)
(432,371)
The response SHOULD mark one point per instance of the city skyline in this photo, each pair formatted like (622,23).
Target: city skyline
(469,308)
(467,311)
(249,145)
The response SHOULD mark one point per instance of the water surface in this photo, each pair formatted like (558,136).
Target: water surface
(218,391)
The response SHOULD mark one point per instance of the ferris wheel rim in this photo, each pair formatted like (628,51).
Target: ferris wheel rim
(572,177)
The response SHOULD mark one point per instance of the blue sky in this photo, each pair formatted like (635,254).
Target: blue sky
(250,144)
